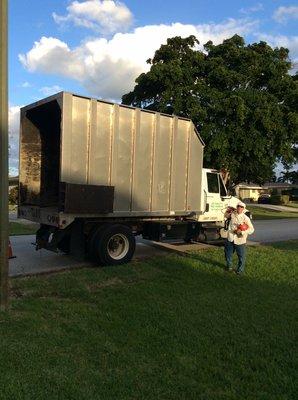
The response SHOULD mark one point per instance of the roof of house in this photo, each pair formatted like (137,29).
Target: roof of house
(243,185)
(278,185)
(267,185)
(13,180)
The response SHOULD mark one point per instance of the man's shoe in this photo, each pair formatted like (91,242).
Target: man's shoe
(238,273)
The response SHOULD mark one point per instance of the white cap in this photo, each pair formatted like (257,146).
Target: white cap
(240,204)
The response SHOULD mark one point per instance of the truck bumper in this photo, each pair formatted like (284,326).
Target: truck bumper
(43,215)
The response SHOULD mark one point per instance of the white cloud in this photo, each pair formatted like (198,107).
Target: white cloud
(257,7)
(283,14)
(99,15)
(49,90)
(51,54)
(14,129)
(26,85)
(107,68)
(290,42)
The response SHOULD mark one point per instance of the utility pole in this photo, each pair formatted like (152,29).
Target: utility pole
(3,157)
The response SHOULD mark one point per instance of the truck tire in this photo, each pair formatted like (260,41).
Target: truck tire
(112,245)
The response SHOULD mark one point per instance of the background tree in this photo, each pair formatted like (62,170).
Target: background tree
(289,176)
(240,97)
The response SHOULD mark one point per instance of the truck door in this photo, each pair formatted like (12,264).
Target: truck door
(213,194)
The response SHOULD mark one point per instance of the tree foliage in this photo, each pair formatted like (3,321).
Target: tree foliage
(289,176)
(241,98)
(13,195)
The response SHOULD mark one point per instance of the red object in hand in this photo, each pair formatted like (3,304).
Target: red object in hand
(243,227)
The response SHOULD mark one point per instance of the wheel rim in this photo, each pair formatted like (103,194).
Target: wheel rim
(118,246)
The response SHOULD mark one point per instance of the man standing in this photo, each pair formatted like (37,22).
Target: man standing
(239,228)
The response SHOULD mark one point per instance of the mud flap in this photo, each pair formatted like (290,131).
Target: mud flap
(42,236)
(77,240)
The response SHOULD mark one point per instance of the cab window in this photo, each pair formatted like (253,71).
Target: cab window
(223,190)
(212,180)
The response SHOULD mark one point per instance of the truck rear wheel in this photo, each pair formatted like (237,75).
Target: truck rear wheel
(112,245)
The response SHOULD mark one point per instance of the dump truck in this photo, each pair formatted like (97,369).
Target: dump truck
(95,174)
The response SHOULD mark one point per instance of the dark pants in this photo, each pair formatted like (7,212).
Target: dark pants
(240,249)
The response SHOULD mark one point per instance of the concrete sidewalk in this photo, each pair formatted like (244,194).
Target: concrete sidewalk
(28,261)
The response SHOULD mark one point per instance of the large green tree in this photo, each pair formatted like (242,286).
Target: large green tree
(289,176)
(241,98)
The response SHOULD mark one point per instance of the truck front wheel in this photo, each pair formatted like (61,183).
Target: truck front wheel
(112,245)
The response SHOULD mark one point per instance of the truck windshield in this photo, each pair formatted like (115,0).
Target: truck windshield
(212,180)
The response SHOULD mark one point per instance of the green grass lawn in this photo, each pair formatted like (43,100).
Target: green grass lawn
(293,204)
(17,228)
(167,328)
(265,213)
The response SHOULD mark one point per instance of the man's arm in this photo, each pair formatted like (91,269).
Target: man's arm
(250,229)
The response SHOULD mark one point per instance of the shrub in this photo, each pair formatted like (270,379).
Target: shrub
(279,199)
(274,192)
(286,192)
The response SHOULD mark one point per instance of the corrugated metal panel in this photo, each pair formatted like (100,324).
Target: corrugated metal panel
(162,163)
(100,143)
(66,136)
(179,165)
(79,139)
(122,157)
(75,136)
(195,166)
(142,170)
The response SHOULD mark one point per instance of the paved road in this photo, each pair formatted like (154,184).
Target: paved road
(274,230)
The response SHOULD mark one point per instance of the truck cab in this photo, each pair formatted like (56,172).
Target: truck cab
(215,197)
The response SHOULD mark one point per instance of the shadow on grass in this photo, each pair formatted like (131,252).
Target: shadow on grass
(169,328)
(291,245)
(208,261)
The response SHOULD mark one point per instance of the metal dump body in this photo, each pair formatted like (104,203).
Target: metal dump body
(153,161)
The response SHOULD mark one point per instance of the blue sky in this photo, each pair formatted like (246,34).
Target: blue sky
(98,48)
